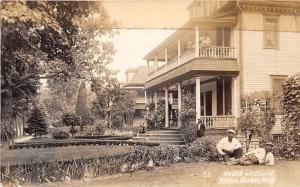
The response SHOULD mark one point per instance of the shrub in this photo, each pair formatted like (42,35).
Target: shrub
(71,119)
(149,117)
(290,121)
(205,147)
(258,116)
(60,135)
(94,130)
(189,132)
(188,112)
(159,114)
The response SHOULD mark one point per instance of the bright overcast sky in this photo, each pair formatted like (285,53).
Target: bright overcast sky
(133,44)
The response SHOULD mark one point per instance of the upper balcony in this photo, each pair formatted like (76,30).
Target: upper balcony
(205,44)
(209,53)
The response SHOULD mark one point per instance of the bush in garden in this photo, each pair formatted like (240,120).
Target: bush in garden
(149,117)
(94,130)
(205,147)
(189,132)
(188,112)
(257,116)
(159,114)
(290,103)
(60,135)
(36,123)
(72,120)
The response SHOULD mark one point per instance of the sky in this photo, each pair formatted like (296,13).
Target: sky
(145,24)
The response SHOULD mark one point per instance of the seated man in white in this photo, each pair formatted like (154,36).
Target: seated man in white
(258,156)
(230,147)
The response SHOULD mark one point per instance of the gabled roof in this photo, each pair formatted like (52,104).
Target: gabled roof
(140,77)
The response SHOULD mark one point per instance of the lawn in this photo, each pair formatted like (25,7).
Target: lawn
(200,174)
(60,153)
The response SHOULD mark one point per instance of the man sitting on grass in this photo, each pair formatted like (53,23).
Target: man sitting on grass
(230,147)
(258,156)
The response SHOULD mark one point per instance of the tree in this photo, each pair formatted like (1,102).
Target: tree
(72,120)
(82,108)
(39,41)
(112,102)
(36,123)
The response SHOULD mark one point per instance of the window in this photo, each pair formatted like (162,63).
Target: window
(223,35)
(271,32)
(277,83)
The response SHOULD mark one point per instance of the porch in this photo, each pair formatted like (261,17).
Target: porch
(216,99)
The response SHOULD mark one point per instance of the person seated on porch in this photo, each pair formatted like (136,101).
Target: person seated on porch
(230,147)
(259,156)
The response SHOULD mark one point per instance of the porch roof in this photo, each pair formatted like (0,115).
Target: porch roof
(196,67)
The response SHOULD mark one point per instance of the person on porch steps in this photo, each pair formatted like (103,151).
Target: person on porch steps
(230,147)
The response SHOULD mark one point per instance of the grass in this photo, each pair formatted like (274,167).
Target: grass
(198,174)
(59,153)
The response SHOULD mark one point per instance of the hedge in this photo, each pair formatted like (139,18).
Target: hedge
(77,143)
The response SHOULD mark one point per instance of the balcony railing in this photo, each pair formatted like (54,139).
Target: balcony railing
(218,121)
(212,52)
(217,52)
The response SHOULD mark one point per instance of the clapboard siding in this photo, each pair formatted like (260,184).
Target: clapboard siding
(260,63)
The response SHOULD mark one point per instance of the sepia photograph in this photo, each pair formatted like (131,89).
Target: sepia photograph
(150,93)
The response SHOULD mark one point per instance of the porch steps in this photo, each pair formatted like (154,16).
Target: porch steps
(163,136)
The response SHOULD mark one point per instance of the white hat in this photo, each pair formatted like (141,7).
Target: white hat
(230,131)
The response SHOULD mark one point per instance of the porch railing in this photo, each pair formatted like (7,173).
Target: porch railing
(218,121)
(217,52)
(213,52)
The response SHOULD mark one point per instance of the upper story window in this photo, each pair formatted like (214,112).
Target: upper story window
(271,32)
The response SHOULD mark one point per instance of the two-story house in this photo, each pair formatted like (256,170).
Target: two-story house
(135,82)
(225,50)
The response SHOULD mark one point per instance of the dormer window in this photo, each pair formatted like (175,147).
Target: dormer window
(271,32)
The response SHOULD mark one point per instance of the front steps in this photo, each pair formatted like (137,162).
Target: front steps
(162,136)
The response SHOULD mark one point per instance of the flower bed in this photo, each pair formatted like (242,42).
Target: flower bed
(61,143)
(62,170)
(106,137)
(139,157)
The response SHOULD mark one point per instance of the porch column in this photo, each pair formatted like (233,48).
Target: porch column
(178,50)
(223,95)
(197,41)
(155,63)
(147,67)
(179,104)
(198,97)
(166,108)
(155,99)
(166,57)
(235,98)
(146,98)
